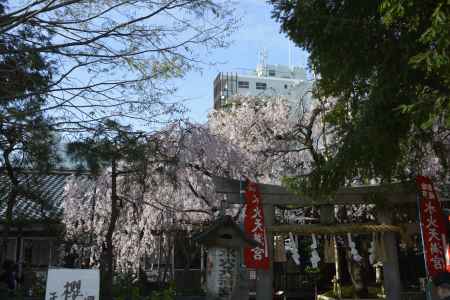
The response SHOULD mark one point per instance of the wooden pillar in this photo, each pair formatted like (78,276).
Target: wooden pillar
(19,259)
(337,276)
(326,214)
(242,289)
(264,278)
(327,218)
(391,272)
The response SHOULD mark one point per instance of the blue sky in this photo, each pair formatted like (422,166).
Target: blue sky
(257,31)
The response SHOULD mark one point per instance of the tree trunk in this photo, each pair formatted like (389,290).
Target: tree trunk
(166,260)
(159,280)
(109,251)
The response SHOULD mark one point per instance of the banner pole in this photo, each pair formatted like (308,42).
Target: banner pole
(428,286)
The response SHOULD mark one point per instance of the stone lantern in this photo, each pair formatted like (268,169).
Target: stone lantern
(224,240)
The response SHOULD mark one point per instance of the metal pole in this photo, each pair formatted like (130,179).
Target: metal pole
(428,286)
(337,268)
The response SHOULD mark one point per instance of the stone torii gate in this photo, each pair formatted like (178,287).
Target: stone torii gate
(393,194)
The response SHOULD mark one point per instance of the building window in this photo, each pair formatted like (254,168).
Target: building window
(37,252)
(285,86)
(271,72)
(10,250)
(261,85)
(243,84)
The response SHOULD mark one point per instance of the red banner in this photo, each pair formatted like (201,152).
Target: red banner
(432,226)
(256,257)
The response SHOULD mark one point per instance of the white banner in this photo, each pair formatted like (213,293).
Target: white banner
(73,284)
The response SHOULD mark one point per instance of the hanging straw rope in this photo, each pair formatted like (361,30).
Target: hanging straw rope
(337,229)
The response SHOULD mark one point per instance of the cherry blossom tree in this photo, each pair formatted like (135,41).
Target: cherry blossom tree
(169,195)
(121,155)
(258,139)
(277,138)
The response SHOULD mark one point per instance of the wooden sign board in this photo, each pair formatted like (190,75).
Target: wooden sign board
(79,284)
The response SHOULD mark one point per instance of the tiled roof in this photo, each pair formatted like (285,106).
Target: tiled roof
(44,200)
(222,222)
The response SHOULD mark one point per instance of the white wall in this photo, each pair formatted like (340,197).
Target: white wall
(293,89)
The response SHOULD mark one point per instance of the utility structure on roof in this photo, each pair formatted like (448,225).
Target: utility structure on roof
(265,80)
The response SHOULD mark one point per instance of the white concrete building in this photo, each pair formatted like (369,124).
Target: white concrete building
(266,80)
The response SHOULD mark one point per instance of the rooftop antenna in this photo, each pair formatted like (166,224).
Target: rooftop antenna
(290,56)
(263,61)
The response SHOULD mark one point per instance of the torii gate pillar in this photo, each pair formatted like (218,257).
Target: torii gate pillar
(391,271)
(264,278)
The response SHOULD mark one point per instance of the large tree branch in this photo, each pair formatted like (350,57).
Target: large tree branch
(107,33)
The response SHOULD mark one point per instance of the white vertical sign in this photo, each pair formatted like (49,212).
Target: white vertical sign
(221,272)
(72,284)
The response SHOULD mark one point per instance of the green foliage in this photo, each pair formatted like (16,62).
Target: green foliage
(26,135)
(166,294)
(349,292)
(133,293)
(27,139)
(312,271)
(386,66)
(433,25)
(21,294)
(39,287)
(324,178)
(127,288)
(113,142)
